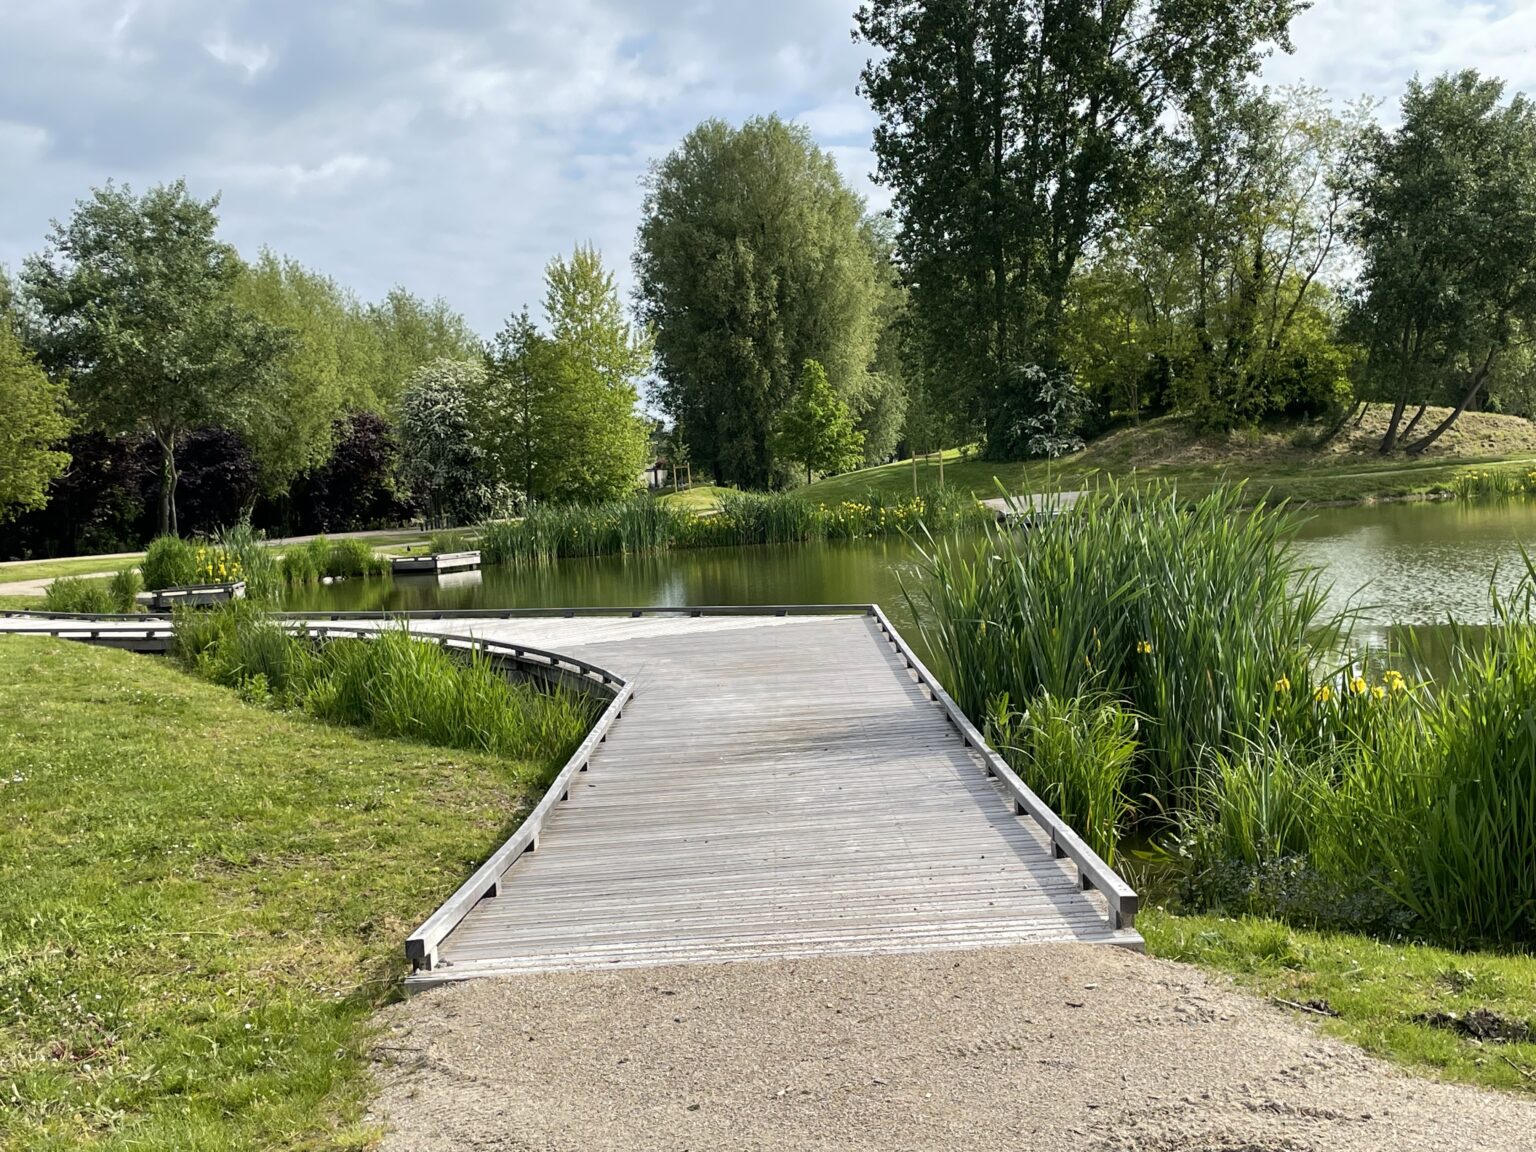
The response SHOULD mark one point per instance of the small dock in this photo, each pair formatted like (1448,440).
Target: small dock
(1032,506)
(435,564)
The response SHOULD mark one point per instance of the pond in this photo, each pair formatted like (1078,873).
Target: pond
(1417,562)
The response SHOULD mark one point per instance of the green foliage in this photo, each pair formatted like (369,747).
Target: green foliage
(77,594)
(816,427)
(557,414)
(1342,799)
(124,589)
(750,261)
(392,683)
(441,460)
(169,562)
(1449,255)
(351,558)
(291,426)
(34,423)
(1195,617)
(644,525)
(138,300)
(249,559)
(1013,138)
(1076,755)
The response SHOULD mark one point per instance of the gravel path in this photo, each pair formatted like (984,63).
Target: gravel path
(1048,1046)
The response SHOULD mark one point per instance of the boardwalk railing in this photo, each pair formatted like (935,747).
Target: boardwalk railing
(1092,871)
(421,946)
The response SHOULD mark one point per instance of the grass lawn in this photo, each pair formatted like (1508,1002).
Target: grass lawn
(704,498)
(20,603)
(68,566)
(201,901)
(1375,989)
(1349,479)
(1273,462)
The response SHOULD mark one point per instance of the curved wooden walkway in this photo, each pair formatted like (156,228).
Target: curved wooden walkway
(777,787)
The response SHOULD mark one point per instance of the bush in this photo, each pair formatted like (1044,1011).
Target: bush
(170,562)
(76,594)
(349,559)
(124,590)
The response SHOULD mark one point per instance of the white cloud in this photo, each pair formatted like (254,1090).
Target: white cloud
(454,148)
(335,174)
(249,58)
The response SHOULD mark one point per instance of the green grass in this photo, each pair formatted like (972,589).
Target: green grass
(702,498)
(12,572)
(202,901)
(1376,988)
(1319,483)
(21,603)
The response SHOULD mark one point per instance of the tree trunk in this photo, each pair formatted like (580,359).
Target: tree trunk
(1389,441)
(1414,423)
(168,478)
(1444,426)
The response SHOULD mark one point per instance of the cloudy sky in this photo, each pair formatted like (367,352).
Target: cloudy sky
(453,146)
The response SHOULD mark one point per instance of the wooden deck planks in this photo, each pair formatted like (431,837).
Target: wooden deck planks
(778,787)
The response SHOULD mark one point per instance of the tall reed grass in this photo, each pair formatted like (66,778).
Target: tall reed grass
(1195,617)
(643,525)
(394,684)
(1340,795)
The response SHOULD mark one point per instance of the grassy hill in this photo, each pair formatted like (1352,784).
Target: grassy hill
(1281,461)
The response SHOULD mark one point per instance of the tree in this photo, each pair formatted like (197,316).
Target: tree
(558,413)
(34,424)
(518,416)
(290,427)
(355,488)
(750,261)
(1447,235)
(403,334)
(1013,135)
(817,429)
(597,357)
(136,297)
(1216,297)
(440,459)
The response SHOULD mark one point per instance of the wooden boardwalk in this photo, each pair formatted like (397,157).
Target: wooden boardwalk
(777,787)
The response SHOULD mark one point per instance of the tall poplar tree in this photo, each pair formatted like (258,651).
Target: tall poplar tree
(751,261)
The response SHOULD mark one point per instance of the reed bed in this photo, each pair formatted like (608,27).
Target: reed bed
(643,525)
(1283,780)
(1482,483)
(393,684)
(323,559)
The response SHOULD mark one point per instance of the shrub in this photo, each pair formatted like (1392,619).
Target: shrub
(349,559)
(124,590)
(76,594)
(392,683)
(169,562)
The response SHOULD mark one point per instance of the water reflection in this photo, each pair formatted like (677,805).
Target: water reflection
(1417,563)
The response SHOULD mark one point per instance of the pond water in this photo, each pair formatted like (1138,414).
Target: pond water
(1416,563)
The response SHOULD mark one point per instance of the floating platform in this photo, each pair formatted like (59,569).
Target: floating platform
(193,595)
(435,564)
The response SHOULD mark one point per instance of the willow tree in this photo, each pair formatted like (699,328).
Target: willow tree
(1013,134)
(751,261)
